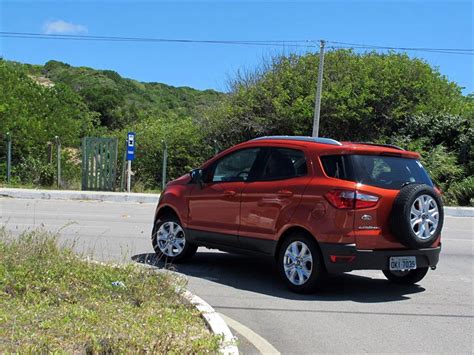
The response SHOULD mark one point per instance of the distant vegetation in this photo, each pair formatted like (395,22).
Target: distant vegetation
(366,97)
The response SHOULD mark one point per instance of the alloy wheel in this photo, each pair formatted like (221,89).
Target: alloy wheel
(171,239)
(298,263)
(424,217)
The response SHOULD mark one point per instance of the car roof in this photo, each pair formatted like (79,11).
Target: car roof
(328,146)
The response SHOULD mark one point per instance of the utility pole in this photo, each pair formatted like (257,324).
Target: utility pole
(164,166)
(9,156)
(317,102)
(58,157)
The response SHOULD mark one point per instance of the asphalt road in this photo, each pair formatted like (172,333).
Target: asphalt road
(356,313)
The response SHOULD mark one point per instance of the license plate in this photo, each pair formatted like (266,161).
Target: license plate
(402,263)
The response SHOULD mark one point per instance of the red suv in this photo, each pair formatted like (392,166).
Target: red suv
(317,205)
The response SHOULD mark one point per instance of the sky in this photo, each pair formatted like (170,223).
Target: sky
(403,23)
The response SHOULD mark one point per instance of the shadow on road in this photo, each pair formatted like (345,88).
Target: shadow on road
(259,274)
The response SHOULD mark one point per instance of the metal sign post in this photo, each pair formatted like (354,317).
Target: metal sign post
(130,157)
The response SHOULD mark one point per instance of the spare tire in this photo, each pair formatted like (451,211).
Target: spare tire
(417,216)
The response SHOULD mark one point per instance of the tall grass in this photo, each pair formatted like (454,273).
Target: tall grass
(53,300)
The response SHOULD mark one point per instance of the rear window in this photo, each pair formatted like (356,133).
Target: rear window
(284,163)
(376,170)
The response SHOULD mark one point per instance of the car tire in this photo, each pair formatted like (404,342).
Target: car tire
(409,277)
(302,275)
(170,241)
(417,216)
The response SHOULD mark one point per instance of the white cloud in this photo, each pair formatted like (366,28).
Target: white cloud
(63,27)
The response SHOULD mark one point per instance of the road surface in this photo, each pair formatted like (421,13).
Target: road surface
(356,312)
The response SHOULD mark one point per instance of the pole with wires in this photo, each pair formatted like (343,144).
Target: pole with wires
(317,102)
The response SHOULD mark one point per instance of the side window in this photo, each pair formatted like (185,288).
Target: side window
(338,166)
(334,166)
(284,163)
(235,166)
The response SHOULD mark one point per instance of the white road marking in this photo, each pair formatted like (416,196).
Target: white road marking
(262,345)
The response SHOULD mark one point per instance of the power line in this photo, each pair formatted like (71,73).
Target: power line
(463,52)
(285,43)
(274,43)
(401,48)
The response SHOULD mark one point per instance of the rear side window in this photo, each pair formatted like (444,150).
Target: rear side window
(284,163)
(335,166)
(376,170)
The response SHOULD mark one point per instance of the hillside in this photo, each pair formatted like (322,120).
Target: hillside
(120,101)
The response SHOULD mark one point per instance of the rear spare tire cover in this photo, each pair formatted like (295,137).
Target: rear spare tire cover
(417,216)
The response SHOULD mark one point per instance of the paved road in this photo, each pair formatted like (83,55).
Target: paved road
(357,312)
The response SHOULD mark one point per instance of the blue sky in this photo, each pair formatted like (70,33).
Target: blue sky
(436,24)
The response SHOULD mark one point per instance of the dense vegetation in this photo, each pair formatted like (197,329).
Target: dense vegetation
(366,97)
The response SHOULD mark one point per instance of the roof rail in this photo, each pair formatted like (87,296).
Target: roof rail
(302,138)
(380,145)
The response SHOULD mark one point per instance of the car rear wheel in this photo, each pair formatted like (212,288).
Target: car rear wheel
(300,263)
(406,277)
(169,240)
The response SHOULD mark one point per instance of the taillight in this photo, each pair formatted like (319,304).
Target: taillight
(341,198)
(344,199)
(365,200)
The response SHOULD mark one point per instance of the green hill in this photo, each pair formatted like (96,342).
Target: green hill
(121,101)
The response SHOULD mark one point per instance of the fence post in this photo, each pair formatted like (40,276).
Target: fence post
(58,152)
(9,156)
(165,158)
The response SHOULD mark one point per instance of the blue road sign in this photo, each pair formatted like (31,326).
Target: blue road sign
(131,146)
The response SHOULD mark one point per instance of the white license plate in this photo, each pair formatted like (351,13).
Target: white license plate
(402,263)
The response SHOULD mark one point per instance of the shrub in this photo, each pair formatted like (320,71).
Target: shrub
(461,193)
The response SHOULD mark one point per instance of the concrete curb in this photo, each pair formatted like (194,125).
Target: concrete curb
(214,321)
(79,195)
(140,198)
(459,211)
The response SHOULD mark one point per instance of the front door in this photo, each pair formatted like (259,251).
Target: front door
(214,207)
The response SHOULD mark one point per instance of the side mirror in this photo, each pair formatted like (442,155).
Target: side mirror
(196,176)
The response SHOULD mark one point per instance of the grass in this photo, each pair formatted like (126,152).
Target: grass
(51,300)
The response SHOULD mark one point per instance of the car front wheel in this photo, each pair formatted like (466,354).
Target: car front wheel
(169,240)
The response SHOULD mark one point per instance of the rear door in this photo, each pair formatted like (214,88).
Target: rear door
(269,200)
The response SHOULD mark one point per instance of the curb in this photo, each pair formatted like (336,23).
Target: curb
(140,198)
(215,322)
(79,195)
(459,211)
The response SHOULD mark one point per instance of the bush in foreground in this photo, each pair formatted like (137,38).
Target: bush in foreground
(52,300)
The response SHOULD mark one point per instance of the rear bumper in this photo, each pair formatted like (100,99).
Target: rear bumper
(346,257)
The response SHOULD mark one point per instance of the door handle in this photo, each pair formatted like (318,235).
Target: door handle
(229,193)
(284,193)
